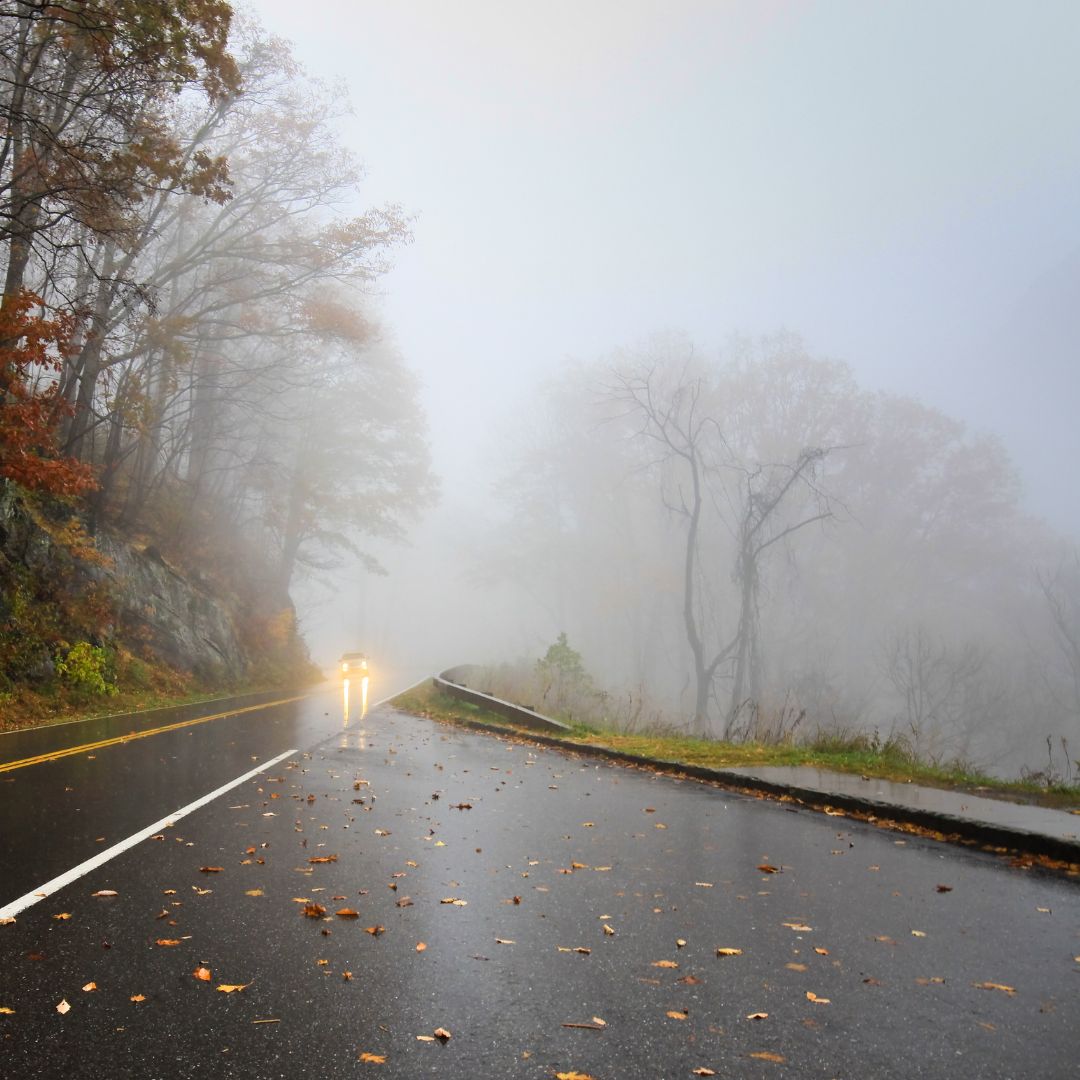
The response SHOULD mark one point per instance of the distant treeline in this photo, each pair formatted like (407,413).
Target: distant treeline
(747,542)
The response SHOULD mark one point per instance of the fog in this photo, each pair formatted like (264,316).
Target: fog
(853,227)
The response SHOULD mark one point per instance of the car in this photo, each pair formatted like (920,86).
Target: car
(354,662)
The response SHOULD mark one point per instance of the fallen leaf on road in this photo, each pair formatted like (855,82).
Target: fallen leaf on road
(796,967)
(63,1007)
(811,996)
(944,888)
(323,859)
(702,1071)
(201,892)
(573,1076)
(918,933)
(585,1027)
(441,1034)
(90,986)
(821,952)
(347,913)
(137,998)
(800,928)
(373,1059)
(6,1010)
(455,901)
(405,901)
(504,941)
(253,892)
(232,988)
(767,1055)
(421,946)
(704,884)
(314,911)
(677,1014)
(1010,990)
(105,892)
(609,930)
(212,869)
(728,952)
(768,868)
(374,931)
(167,942)
(933,979)
(665,963)
(63,915)
(757,1016)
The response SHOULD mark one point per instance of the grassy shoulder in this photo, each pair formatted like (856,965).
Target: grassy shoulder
(853,755)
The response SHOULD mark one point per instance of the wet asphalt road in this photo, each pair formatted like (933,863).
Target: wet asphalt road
(546,851)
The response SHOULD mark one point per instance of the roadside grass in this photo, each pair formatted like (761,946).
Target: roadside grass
(852,753)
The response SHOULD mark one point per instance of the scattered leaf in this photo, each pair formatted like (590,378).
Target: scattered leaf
(6,1010)
(347,913)
(375,931)
(373,1059)
(677,1014)
(796,967)
(202,973)
(405,901)
(254,892)
(702,1071)
(441,1034)
(90,987)
(821,952)
(811,996)
(138,997)
(211,869)
(573,1076)
(421,946)
(63,915)
(799,928)
(768,1055)
(609,930)
(704,884)
(455,901)
(63,1007)
(918,933)
(105,892)
(665,963)
(768,868)
(166,943)
(323,859)
(728,952)
(944,888)
(314,911)
(757,1016)
(232,988)
(680,943)
(504,941)
(1010,990)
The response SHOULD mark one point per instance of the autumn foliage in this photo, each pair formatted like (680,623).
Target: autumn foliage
(32,348)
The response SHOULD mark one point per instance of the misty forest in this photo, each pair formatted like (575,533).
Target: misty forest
(734,539)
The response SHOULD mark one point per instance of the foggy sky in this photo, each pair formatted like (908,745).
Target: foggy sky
(900,183)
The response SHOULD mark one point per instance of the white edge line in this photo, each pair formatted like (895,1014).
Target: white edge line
(102,857)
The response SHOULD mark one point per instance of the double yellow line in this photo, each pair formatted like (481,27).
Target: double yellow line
(84,748)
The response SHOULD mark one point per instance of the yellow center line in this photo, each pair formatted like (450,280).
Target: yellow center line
(100,744)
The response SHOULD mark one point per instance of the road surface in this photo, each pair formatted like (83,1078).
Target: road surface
(553,915)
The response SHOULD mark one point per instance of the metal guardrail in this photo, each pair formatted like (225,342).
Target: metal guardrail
(453,681)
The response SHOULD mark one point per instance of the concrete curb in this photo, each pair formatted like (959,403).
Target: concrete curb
(955,829)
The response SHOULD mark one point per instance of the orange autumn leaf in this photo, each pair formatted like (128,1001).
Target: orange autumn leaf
(677,1014)
(63,915)
(1010,990)
(767,1055)
(212,869)
(573,1076)
(90,987)
(441,1034)
(63,1007)
(374,931)
(167,942)
(138,997)
(323,859)
(202,974)
(665,963)
(728,952)
(768,868)
(421,946)
(373,1059)
(347,913)
(702,1071)
(811,996)
(314,911)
